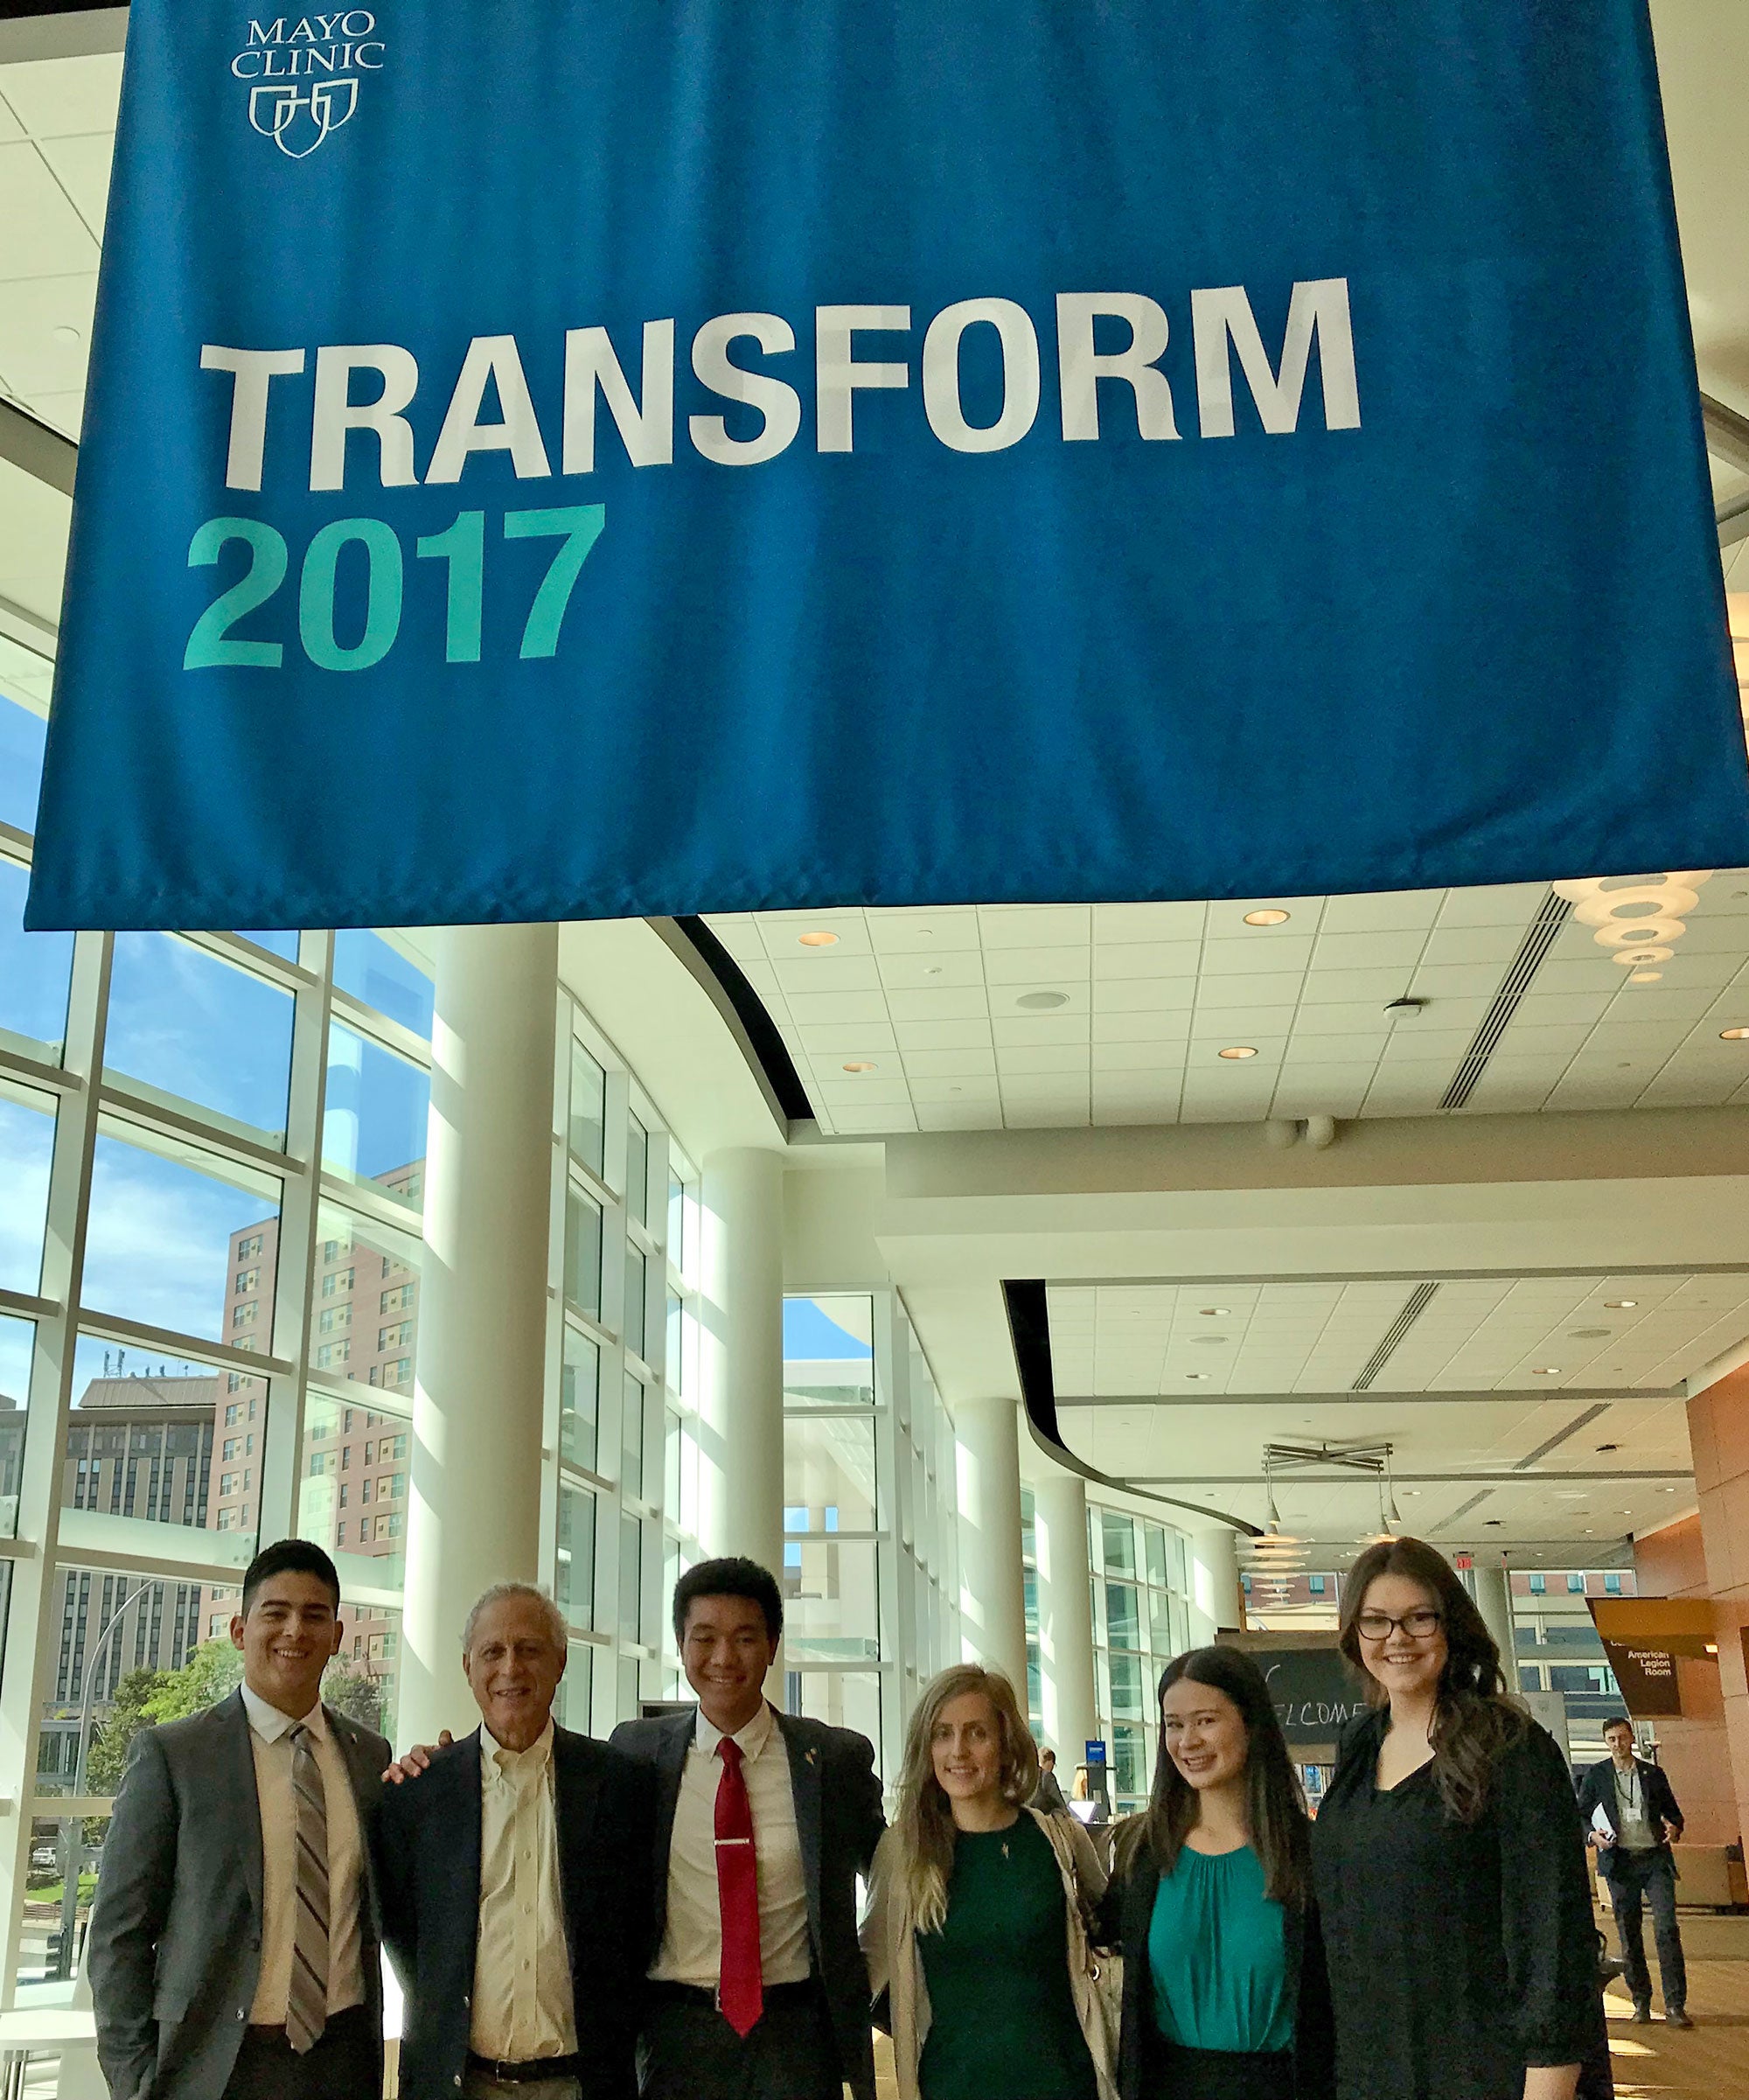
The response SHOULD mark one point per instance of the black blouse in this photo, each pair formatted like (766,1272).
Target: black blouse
(1458,1954)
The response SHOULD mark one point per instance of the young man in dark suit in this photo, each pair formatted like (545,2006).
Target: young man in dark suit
(764,1821)
(1636,1802)
(515,1880)
(233,1948)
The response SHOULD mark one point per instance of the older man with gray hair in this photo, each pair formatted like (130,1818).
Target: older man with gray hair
(514,1871)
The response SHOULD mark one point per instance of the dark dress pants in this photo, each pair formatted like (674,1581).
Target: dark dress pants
(690,2052)
(342,2064)
(1650,1877)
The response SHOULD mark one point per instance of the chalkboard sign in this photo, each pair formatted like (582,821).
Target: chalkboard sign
(1314,1692)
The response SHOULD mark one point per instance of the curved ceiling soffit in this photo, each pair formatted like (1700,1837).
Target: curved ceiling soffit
(1029,1331)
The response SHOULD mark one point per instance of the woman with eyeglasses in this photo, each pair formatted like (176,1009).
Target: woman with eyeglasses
(1224,1992)
(978,1910)
(1449,1861)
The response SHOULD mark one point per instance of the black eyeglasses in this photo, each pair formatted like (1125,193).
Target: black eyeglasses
(1379,1625)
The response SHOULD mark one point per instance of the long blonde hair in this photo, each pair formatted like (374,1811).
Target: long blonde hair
(925,1822)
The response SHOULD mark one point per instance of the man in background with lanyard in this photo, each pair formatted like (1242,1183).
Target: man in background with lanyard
(1633,1822)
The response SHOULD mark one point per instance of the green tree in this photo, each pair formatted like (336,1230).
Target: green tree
(111,1739)
(355,1693)
(214,1669)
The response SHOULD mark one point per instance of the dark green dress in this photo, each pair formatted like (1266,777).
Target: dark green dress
(1001,2018)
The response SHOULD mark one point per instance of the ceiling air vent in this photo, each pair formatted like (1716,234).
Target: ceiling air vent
(1551,914)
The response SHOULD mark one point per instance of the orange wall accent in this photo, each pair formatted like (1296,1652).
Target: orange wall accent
(1706,1751)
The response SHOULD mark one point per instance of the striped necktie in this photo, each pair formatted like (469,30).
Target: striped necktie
(306,2008)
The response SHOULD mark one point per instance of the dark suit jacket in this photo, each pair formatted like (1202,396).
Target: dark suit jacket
(428,1869)
(174,1949)
(1596,1786)
(1143,2073)
(839,1822)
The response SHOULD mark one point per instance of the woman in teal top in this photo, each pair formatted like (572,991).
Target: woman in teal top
(1224,1992)
(979,1906)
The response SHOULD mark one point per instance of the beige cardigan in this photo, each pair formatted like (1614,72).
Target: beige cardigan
(889,1941)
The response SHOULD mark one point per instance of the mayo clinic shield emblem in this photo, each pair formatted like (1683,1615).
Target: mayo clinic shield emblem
(298,121)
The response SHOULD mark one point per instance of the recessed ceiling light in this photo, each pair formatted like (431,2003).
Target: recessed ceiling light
(860,1065)
(1411,1490)
(819,939)
(1493,1522)
(1609,1447)
(1207,1340)
(1270,918)
(1217,1312)
(1039,1001)
(1585,1334)
(1196,1374)
(1237,1051)
(1645,977)
(932,969)
(1546,1370)
(1620,1305)
(1733,1034)
(1667,1490)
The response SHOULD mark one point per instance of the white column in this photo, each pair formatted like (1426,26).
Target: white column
(993,1603)
(1065,1618)
(1493,1594)
(475,1515)
(740,1427)
(1218,1598)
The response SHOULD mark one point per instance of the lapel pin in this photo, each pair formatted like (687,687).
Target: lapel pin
(810,1756)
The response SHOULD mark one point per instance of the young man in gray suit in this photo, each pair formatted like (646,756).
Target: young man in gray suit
(232,1947)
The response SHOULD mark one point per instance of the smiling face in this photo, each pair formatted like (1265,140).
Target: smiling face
(288,1637)
(1408,1665)
(1205,1733)
(965,1749)
(726,1650)
(513,1669)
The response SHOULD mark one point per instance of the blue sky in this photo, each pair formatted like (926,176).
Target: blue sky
(26,1138)
(193,1026)
(22,734)
(813,1337)
(34,968)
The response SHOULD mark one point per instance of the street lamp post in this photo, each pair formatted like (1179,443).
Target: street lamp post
(71,1839)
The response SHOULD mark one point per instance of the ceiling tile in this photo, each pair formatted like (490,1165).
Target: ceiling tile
(1352,986)
(813,1007)
(958,1002)
(1544,1009)
(1495,945)
(1457,981)
(1368,950)
(873,1121)
(1262,954)
(81,166)
(1506,904)
(930,967)
(1039,1028)
(948,1115)
(952,1063)
(41,235)
(1147,958)
(1037,966)
(1035,925)
(45,333)
(1328,1051)
(1272,990)
(1016,1060)
(943,1035)
(1154,922)
(966,1090)
(827,972)
(895,932)
(1227,918)
(51,97)
(873,1092)
(1390,911)
(865,1039)
(1137,1058)
(1143,995)
(1173,1027)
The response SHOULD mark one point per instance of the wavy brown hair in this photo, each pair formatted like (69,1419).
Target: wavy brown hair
(1473,1720)
(925,1820)
(1275,1808)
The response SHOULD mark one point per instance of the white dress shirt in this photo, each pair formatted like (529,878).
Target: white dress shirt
(692,1940)
(270,1731)
(522,2006)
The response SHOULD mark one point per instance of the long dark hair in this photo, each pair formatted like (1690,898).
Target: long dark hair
(1473,1720)
(1274,1806)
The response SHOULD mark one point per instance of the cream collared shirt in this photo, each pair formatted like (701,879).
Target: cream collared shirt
(522,2006)
(269,1734)
(692,1941)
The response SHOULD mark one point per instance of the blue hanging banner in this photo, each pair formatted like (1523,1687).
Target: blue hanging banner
(558,460)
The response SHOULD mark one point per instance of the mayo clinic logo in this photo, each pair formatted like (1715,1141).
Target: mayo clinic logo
(303,74)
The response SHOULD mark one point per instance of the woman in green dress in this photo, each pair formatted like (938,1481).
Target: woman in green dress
(977,1926)
(1225,1992)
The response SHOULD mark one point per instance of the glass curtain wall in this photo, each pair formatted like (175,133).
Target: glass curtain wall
(1141,1619)
(624,1321)
(212,1179)
(868,1557)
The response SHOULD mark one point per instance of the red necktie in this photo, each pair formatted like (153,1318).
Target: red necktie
(740,1991)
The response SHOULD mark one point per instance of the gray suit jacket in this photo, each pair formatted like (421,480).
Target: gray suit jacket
(174,1949)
